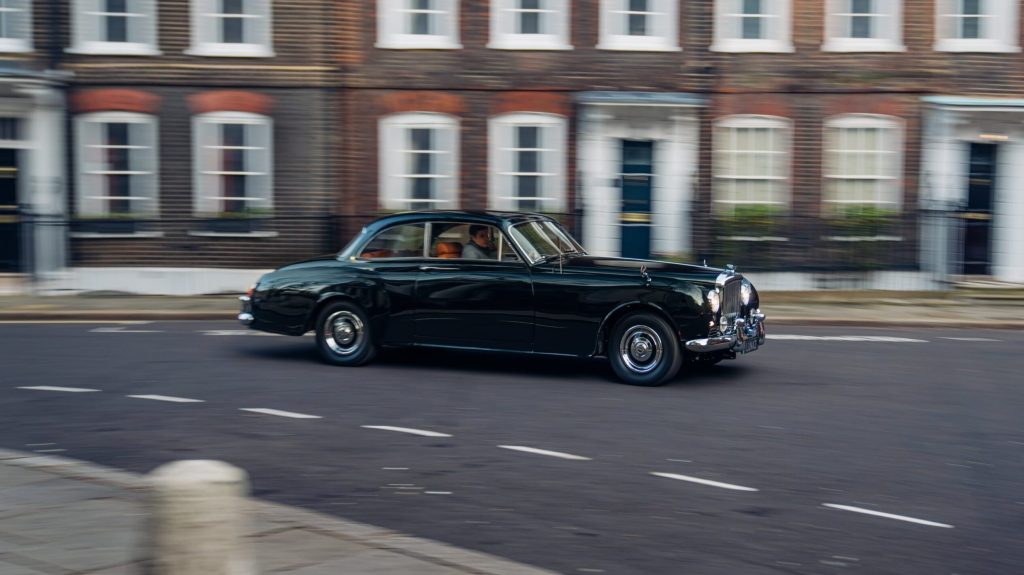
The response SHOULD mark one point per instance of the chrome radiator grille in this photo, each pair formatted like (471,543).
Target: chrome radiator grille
(731,301)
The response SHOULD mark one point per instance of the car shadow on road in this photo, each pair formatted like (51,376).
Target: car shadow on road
(521,365)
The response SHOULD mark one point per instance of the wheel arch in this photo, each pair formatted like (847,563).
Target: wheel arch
(622,310)
(356,293)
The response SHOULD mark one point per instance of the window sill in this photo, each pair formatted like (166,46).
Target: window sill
(204,234)
(752,46)
(114,49)
(114,235)
(227,51)
(15,46)
(853,45)
(975,46)
(538,44)
(412,45)
(754,238)
(626,44)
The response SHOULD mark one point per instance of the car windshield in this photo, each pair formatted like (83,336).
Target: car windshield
(541,240)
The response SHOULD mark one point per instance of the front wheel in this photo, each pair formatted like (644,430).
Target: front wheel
(343,335)
(643,350)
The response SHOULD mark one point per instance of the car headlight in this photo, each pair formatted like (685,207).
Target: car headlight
(745,293)
(714,300)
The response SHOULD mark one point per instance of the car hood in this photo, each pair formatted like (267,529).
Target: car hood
(627,266)
(311,261)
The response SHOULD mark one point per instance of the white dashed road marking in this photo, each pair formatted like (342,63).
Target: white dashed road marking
(422,432)
(867,338)
(969,339)
(242,332)
(167,398)
(703,481)
(122,329)
(55,388)
(887,515)
(279,413)
(558,454)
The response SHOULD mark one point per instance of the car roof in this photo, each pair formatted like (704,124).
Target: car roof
(467,216)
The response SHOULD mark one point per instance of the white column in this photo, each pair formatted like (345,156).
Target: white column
(47,182)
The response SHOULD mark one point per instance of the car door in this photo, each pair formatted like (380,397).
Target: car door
(484,304)
(393,259)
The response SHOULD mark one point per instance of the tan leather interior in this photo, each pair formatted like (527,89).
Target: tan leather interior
(376,254)
(449,250)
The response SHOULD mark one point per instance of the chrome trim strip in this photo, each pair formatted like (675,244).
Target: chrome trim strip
(245,318)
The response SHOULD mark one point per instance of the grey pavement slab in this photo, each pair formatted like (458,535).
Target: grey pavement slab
(63,517)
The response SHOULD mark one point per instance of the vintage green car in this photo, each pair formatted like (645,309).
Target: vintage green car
(507,282)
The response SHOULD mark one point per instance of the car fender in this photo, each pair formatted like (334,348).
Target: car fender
(621,310)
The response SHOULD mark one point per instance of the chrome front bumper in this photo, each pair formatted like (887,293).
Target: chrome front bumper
(245,316)
(745,336)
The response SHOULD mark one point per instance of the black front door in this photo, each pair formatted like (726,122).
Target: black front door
(10,221)
(977,218)
(475,303)
(637,178)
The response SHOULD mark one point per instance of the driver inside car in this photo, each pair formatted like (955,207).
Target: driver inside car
(479,246)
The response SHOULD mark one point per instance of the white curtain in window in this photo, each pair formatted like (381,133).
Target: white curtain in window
(90,26)
(661,26)
(208,153)
(15,25)
(398,172)
(863,161)
(507,153)
(395,24)
(93,169)
(752,155)
(552,18)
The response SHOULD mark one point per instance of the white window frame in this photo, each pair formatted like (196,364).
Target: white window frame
(205,17)
(728,27)
(784,154)
(207,188)
(552,161)
(555,15)
(88,20)
(393,16)
(999,27)
(887,27)
(21,12)
(664,16)
(888,186)
(394,166)
(145,199)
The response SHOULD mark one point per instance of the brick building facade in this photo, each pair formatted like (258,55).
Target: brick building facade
(191,135)
(820,136)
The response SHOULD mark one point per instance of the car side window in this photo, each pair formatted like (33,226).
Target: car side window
(405,241)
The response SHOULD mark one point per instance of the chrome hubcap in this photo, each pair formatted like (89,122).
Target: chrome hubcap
(344,333)
(640,349)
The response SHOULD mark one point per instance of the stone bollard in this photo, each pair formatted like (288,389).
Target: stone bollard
(199,516)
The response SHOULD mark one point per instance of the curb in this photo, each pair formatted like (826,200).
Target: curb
(441,554)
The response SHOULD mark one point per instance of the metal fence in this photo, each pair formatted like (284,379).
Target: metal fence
(839,252)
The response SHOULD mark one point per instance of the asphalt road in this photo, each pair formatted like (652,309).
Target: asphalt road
(773,462)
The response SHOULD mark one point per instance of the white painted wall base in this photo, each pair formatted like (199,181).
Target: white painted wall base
(199,281)
(148,281)
(872,280)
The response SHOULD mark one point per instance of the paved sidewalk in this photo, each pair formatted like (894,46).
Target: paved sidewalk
(60,516)
(966,309)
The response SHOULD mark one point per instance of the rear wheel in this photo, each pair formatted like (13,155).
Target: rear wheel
(343,335)
(643,350)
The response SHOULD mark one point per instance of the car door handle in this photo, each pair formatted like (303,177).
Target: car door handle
(438,269)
